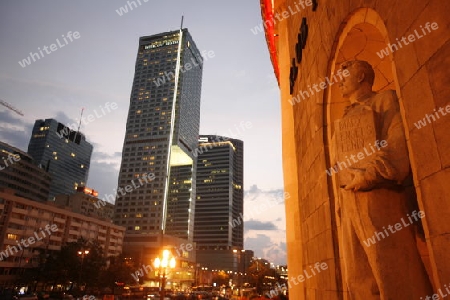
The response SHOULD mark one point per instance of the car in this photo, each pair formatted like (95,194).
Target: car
(32,296)
(59,295)
(156,297)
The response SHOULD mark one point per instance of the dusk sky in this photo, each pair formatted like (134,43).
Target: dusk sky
(238,87)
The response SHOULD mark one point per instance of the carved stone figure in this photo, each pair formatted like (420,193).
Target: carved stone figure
(377,239)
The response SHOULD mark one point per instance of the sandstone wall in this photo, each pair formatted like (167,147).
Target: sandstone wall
(419,72)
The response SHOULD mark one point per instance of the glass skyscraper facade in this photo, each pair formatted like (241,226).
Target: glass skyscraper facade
(161,134)
(219,206)
(63,152)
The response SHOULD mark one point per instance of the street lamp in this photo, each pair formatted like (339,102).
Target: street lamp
(163,264)
(202,281)
(244,274)
(82,253)
(239,266)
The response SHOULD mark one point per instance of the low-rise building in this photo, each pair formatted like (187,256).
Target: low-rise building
(19,172)
(85,202)
(27,226)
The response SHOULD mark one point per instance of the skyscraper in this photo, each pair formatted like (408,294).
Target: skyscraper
(161,133)
(219,188)
(63,152)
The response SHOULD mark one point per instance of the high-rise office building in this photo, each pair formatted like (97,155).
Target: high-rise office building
(63,152)
(161,134)
(220,198)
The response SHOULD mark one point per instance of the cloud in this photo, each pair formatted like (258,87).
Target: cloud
(8,116)
(265,227)
(275,194)
(14,130)
(114,158)
(61,117)
(265,247)
(58,88)
(103,178)
(258,225)
(275,253)
(104,172)
(253,189)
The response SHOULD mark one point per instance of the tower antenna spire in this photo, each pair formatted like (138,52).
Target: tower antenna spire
(81,116)
(182,18)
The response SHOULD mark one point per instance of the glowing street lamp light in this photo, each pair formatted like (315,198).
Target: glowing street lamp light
(163,264)
(240,265)
(81,253)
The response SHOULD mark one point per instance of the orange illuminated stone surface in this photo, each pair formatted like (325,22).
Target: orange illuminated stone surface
(407,44)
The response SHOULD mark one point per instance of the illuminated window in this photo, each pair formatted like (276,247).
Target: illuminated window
(137,227)
(72,154)
(138,215)
(138,112)
(12,236)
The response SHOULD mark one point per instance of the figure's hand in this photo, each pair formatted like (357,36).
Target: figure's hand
(358,181)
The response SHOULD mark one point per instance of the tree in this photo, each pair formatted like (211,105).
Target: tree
(67,265)
(261,275)
(221,278)
(119,272)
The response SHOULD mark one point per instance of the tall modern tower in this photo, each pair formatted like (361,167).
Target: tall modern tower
(63,152)
(219,186)
(161,134)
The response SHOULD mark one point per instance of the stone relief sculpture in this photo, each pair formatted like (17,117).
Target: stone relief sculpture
(370,158)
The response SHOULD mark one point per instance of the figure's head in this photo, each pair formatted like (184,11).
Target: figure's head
(361,76)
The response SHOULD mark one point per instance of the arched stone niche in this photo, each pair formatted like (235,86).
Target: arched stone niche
(361,37)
